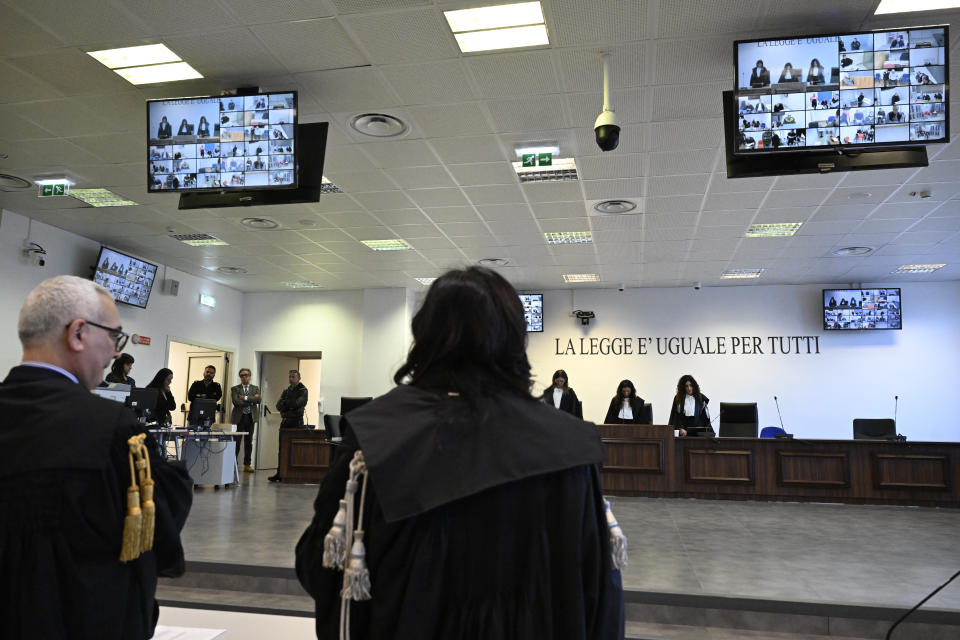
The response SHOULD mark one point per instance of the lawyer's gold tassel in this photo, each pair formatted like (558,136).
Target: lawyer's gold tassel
(147,506)
(133,523)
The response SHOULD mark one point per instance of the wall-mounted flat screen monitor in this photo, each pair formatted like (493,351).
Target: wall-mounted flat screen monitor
(129,279)
(222,142)
(850,90)
(533,310)
(861,309)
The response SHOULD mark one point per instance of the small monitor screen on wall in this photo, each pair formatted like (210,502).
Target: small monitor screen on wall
(533,310)
(848,90)
(222,142)
(861,309)
(129,279)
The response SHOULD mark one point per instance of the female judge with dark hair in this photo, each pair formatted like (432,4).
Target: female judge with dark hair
(203,128)
(450,528)
(184,129)
(689,407)
(560,394)
(165,401)
(815,74)
(625,407)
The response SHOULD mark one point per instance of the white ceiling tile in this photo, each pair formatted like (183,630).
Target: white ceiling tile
(359,89)
(85,75)
(904,210)
(552,191)
(616,165)
(603,189)
(685,18)
(503,194)
(421,177)
(309,45)
(361,181)
(400,153)
(629,105)
(844,212)
(673,102)
(451,214)
(704,60)
(666,220)
(689,134)
(384,200)
(451,197)
(502,75)
(830,227)
(439,120)
(255,12)
(670,163)
(672,204)
(477,174)
(362,6)
(82,22)
(469,149)
(678,185)
(441,81)
(884,226)
(578,23)
(524,114)
(797,198)
(403,36)
(859,195)
(558,210)
(733,201)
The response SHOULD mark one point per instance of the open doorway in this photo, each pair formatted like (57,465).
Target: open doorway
(187,362)
(274,368)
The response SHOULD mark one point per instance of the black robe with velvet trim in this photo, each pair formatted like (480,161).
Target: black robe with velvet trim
(481,522)
(64,473)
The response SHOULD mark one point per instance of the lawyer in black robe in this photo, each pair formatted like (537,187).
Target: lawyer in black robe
(63,478)
(484,516)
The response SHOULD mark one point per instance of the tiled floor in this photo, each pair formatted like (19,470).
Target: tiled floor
(785,551)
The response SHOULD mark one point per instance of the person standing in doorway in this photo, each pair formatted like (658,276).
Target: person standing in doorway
(291,404)
(246,400)
(206,388)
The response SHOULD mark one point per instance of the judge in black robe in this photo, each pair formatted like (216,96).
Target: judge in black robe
(483,516)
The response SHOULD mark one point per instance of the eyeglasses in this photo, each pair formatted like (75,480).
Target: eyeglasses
(244,375)
(119,337)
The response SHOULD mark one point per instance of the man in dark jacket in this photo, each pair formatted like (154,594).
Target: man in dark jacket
(291,404)
(206,388)
(64,474)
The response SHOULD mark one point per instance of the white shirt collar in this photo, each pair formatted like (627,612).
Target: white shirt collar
(51,367)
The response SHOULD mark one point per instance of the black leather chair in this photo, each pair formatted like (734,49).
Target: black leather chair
(348,404)
(331,423)
(646,413)
(874,429)
(738,420)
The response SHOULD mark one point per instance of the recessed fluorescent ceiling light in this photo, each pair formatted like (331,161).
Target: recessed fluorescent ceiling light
(135,56)
(101,198)
(425,280)
(45,181)
(568,237)
(505,26)
(302,284)
(906,6)
(919,268)
(395,244)
(560,169)
(741,273)
(199,240)
(580,277)
(773,230)
(155,73)
(148,64)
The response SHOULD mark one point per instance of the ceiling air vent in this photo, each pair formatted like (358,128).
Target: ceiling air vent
(614,206)
(13,183)
(378,125)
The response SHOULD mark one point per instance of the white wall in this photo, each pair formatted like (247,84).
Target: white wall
(855,375)
(165,316)
(363,336)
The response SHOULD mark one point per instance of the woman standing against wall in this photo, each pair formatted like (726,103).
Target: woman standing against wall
(689,407)
(561,395)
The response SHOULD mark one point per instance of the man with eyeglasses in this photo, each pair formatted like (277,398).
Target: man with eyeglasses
(65,469)
(246,398)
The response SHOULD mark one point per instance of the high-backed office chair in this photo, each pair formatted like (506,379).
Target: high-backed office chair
(738,420)
(646,413)
(874,429)
(331,424)
(578,409)
(347,404)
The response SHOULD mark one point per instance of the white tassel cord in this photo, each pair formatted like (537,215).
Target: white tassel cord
(335,542)
(356,577)
(618,541)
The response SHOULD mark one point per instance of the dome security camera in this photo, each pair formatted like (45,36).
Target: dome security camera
(621,287)
(606,130)
(697,286)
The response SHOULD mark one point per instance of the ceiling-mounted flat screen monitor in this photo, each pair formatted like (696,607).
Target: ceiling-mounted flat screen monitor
(860,309)
(533,310)
(129,279)
(851,90)
(218,143)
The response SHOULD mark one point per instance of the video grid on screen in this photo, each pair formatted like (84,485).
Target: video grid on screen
(848,309)
(532,310)
(881,87)
(127,278)
(222,142)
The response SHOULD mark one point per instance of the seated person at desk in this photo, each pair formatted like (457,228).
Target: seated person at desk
(164,130)
(689,407)
(203,129)
(185,129)
(120,370)
(560,395)
(205,388)
(625,407)
(815,74)
(165,400)
(787,75)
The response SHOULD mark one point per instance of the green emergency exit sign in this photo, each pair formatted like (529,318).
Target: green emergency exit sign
(54,189)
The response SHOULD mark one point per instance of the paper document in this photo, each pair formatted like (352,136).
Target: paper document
(185,633)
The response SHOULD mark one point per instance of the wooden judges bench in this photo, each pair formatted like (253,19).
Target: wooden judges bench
(647,460)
